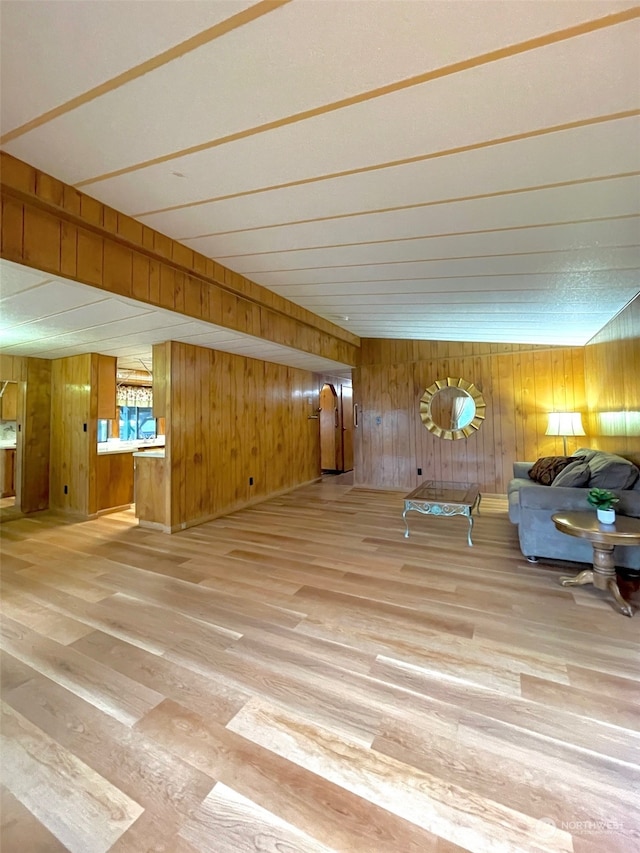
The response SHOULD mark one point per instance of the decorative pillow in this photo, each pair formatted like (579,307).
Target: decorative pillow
(576,474)
(609,471)
(547,468)
(585,453)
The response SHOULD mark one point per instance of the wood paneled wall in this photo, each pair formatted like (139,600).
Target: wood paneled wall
(72,461)
(51,226)
(33,378)
(612,374)
(520,384)
(75,393)
(230,418)
(11,367)
(35,418)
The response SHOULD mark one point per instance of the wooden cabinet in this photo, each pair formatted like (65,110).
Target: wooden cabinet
(9,402)
(106,387)
(114,480)
(7,472)
(150,490)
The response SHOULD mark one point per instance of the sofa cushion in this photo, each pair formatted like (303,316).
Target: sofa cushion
(517,483)
(585,453)
(547,468)
(609,471)
(576,474)
(514,507)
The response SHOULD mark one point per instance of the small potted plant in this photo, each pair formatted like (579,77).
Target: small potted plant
(603,500)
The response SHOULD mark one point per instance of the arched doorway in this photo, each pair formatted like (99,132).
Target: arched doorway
(336,424)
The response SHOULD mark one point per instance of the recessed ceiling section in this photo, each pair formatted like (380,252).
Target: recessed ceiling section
(84,319)
(456,171)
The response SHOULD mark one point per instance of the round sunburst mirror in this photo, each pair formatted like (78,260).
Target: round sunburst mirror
(452,408)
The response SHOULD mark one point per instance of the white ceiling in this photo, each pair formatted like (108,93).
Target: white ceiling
(50,317)
(407,169)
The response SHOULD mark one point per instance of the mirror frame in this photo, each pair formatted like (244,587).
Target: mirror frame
(451,382)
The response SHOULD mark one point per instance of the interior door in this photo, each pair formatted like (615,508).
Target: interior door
(346,405)
(330,431)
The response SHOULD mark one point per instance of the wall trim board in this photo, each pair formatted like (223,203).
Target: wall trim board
(51,226)
(154,525)
(110,510)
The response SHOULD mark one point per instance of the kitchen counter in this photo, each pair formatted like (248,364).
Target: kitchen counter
(115,469)
(117,446)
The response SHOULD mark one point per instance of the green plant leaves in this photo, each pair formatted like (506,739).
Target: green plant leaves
(602,498)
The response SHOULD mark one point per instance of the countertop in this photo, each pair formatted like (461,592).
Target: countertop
(7,445)
(155,454)
(117,446)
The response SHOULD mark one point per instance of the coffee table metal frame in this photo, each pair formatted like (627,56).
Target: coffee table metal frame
(443,499)
(603,538)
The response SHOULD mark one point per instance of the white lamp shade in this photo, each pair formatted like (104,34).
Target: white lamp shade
(565,423)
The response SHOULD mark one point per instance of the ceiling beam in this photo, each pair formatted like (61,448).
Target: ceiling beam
(51,226)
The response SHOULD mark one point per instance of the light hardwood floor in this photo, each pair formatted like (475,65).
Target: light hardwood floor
(300,677)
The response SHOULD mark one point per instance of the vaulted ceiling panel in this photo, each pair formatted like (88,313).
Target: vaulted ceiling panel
(395,261)
(347,154)
(341,266)
(577,155)
(614,198)
(469,108)
(33,33)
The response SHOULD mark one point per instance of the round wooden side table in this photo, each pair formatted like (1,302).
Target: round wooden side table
(603,538)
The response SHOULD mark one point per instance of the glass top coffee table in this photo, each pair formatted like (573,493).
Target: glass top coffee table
(443,499)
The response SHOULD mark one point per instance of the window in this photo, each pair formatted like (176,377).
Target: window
(103,430)
(136,423)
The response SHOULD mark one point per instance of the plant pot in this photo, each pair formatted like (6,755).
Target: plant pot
(606,516)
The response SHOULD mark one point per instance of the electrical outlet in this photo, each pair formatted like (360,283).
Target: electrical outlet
(251,481)
(66,490)
(419,472)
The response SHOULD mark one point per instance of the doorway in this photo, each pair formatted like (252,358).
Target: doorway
(8,443)
(336,428)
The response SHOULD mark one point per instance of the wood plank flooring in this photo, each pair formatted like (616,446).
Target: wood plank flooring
(300,677)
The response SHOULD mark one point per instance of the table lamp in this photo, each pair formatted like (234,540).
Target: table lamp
(564,424)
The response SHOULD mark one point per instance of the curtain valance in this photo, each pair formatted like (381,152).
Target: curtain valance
(134,395)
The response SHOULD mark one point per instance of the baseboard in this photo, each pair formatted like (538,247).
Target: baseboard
(194,522)
(112,509)
(154,525)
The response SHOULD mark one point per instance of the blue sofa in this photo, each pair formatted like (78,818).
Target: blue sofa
(531,505)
